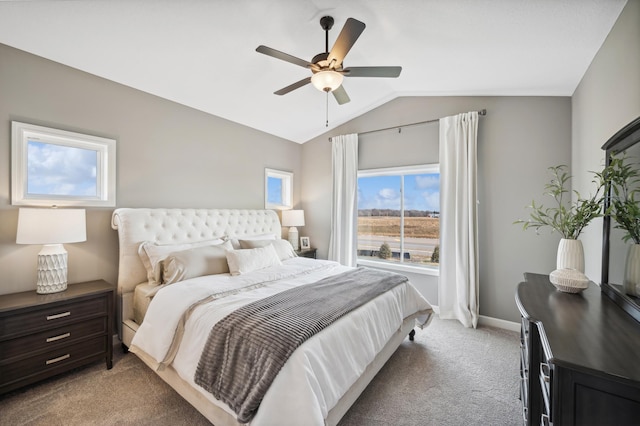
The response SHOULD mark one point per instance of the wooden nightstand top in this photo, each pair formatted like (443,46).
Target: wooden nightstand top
(23,299)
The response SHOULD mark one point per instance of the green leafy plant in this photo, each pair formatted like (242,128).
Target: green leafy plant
(622,180)
(565,217)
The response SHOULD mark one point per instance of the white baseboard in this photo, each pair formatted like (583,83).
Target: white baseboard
(499,323)
(490,321)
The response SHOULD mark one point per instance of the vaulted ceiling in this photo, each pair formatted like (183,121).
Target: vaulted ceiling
(201,53)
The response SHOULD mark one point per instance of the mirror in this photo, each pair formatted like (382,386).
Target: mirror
(614,249)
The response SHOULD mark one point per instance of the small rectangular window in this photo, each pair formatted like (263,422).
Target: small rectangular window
(399,215)
(57,167)
(278,189)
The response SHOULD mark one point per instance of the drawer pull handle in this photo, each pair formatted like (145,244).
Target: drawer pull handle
(546,373)
(60,358)
(56,316)
(60,337)
(544,420)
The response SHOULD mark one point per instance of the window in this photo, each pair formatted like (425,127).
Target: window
(56,167)
(278,189)
(399,215)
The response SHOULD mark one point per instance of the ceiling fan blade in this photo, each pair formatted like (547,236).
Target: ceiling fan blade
(390,72)
(293,86)
(341,95)
(346,39)
(283,56)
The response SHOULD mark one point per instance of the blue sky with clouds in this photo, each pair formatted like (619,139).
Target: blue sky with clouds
(61,170)
(274,190)
(422,192)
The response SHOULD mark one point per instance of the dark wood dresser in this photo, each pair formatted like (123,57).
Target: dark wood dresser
(42,335)
(580,357)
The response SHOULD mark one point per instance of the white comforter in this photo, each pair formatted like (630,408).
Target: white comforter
(318,373)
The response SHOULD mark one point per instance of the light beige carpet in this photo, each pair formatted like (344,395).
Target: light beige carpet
(449,375)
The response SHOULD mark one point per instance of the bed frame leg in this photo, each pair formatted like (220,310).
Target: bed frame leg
(411,334)
(125,348)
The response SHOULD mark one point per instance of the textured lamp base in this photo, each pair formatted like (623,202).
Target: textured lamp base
(52,269)
(293,238)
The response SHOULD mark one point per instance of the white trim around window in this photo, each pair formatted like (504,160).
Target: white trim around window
(400,267)
(52,161)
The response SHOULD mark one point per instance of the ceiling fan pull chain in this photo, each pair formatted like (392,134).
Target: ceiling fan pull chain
(327,105)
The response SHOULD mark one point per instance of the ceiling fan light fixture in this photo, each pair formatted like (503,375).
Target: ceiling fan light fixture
(327,80)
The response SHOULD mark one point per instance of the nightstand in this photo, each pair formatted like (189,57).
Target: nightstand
(307,253)
(42,335)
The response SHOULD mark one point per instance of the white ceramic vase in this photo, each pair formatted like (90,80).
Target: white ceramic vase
(570,255)
(631,282)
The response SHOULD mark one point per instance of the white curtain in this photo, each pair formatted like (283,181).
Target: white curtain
(344,220)
(458,284)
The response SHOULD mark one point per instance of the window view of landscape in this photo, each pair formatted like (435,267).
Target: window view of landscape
(399,218)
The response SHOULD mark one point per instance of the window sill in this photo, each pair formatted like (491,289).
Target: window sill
(421,270)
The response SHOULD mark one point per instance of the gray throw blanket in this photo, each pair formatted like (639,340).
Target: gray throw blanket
(246,349)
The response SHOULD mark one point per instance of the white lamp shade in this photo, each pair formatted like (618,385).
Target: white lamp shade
(293,218)
(51,226)
(327,81)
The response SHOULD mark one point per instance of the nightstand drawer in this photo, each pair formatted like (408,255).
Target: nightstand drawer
(51,316)
(61,358)
(51,339)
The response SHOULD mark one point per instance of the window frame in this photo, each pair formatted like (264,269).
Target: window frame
(401,171)
(105,179)
(287,189)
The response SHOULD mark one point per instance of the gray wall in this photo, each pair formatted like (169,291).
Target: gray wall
(518,139)
(168,155)
(607,98)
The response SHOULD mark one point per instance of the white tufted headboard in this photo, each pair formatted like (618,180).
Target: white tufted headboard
(174,226)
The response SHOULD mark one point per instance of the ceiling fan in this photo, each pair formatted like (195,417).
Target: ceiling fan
(327,67)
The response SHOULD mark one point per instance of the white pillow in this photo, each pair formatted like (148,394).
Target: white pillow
(247,260)
(236,243)
(152,254)
(196,262)
(283,247)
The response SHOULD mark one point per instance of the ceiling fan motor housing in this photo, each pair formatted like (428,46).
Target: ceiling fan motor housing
(321,61)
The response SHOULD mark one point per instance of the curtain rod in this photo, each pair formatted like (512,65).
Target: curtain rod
(481,112)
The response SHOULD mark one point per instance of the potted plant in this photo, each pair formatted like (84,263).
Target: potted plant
(566,217)
(622,181)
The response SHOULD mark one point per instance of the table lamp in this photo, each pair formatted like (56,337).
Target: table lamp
(293,218)
(51,227)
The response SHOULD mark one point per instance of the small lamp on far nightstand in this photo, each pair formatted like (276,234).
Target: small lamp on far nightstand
(293,218)
(52,228)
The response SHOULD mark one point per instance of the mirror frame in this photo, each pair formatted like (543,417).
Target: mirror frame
(626,137)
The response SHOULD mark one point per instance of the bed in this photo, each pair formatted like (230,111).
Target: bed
(166,325)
